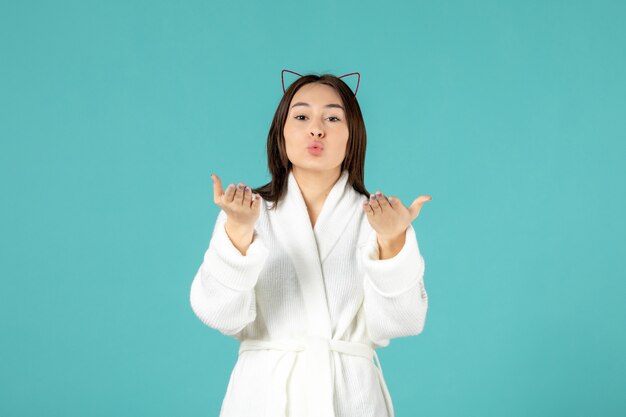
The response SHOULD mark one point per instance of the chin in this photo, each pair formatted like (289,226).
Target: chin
(320,167)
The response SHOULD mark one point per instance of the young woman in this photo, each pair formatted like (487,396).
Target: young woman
(314,282)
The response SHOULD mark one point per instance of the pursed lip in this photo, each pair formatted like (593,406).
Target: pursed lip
(315,146)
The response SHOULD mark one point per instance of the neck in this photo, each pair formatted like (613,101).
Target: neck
(315,185)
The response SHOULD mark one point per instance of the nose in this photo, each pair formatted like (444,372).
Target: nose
(316,128)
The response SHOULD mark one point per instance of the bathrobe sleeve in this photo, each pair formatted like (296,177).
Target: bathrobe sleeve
(395,299)
(222,292)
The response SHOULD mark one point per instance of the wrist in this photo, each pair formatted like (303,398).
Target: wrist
(238,231)
(390,246)
(392,240)
(241,236)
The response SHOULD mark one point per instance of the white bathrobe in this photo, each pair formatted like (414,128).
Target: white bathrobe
(310,305)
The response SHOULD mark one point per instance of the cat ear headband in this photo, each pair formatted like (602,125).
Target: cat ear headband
(282,76)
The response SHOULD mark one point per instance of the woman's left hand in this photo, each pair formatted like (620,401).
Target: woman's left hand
(389,217)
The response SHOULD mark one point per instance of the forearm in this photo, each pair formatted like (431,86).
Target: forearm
(222,293)
(220,307)
(395,298)
(240,236)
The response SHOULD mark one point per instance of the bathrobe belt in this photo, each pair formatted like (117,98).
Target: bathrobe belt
(320,371)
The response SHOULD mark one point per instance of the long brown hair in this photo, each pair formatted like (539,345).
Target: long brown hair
(277,161)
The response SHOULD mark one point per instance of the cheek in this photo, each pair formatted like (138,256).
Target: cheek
(291,145)
(290,131)
(342,140)
(338,150)
(288,134)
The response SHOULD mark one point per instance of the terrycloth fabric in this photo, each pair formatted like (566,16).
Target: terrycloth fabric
(297,288)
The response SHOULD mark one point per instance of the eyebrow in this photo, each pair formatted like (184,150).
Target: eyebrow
(308,105)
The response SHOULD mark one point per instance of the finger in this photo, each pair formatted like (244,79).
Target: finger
(247,196)
(217,188)
(239,193)
(384,203)
(394,201)
(417,205)
(230,193)
(367,207)
(374,203)
(256,201)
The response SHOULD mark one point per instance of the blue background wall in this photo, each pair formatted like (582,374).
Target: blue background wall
(509,114)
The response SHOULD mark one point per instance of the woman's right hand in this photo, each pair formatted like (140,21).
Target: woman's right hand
(241,208)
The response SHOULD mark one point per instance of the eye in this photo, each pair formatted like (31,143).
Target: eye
(331,117)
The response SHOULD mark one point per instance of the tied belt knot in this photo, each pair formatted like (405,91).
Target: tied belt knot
(320,371)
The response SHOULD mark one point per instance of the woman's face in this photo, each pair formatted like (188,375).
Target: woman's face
(316,119)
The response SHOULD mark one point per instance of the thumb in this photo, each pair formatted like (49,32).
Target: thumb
(217,189)
(417,205)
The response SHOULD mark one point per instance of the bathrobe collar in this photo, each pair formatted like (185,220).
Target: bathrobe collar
(309,246)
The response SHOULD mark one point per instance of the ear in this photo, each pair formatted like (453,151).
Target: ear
(357,82)
(282,77)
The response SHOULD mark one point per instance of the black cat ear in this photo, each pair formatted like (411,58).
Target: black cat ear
(357,82)
(282,77)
